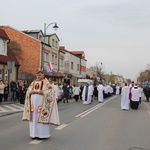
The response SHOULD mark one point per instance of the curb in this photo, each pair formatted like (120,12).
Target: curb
(9,102)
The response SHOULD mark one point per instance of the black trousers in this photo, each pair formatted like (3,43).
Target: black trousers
(1,96)
(76,97)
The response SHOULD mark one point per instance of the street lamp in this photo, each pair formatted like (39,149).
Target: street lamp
(99,68)
(45,29)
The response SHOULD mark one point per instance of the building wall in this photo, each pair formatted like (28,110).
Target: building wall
(76,61)
(83,68)
(61,64)
(29,54)
(4,73)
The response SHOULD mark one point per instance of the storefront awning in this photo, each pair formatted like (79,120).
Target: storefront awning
(52,74)
(62,74)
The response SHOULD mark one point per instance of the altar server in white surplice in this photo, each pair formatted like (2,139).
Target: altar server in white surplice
(100,89)
(125,97)
(40,107)
(117,90)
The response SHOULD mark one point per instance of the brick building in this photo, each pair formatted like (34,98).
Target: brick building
(34,51)
(26,49)
(8,63)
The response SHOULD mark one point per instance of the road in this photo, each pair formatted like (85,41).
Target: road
(99,126)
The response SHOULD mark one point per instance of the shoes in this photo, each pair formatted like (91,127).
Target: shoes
(37,138)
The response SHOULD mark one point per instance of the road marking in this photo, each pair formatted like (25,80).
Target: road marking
(148,112)
(35,142)
(83,114)
(61,126)
(3,110)
(11,108)
(88,110)
(91,110)
(17,106)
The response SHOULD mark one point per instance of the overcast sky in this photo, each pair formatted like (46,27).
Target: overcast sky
(114,32)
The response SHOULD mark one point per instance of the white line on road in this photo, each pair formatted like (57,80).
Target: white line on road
(35,142)
(11,108)
(148,112)
(83,114)
(91,110)
(17,106)
(3,110)
(88,110)
(61,126)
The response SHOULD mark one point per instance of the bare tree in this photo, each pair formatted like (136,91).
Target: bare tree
(144,75)
(16,49)
(97,70)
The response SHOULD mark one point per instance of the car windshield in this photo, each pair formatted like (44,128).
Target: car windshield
(81,83)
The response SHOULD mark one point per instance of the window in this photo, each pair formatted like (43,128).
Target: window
(52,59)
(45,56)
(77,67)
(61,62)
(40,37)
(71,65)
(53,42)
(56,44)
(55,60)
(3,47)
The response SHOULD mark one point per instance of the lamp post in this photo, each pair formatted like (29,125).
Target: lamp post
(45,29)
(99,68)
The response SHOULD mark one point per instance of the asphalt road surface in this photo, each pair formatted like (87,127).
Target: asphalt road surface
(98,126)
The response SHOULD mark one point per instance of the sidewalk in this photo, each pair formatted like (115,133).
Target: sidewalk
(9,108)
(9,102)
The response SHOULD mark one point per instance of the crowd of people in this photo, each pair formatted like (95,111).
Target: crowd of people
(87,92)
(41,97)
(13,91)
(16,91)
(131,95)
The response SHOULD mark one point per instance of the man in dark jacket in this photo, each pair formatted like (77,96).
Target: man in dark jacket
(13,88)
(66,92)
(147,92)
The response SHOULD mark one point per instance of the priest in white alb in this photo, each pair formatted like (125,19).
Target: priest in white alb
(40,107)
(125,97)
(100,89)
(86,94)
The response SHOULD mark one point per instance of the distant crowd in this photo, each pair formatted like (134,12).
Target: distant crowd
(87,92)
(16,91)
(13,91)
(131,94)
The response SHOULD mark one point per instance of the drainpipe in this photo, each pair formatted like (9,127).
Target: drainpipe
(58,59)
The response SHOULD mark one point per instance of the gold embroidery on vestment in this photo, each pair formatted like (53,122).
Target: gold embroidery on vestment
(32,108)
(39,109)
